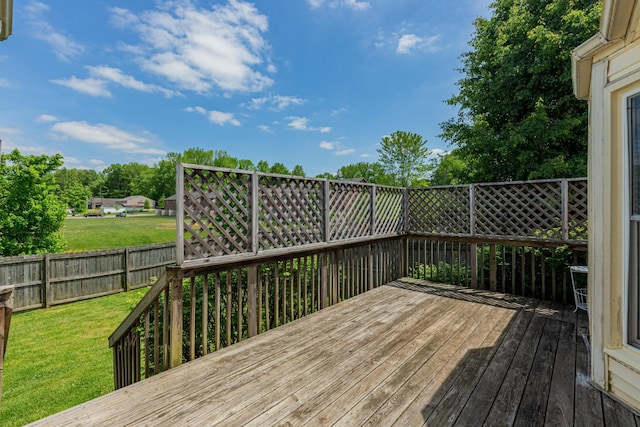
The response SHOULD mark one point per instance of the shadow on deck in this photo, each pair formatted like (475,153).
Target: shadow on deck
(408,353)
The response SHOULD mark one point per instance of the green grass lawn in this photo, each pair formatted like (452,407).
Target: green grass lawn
(84,234)
(60,357)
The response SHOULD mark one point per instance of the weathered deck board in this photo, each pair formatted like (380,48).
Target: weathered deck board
(404,354)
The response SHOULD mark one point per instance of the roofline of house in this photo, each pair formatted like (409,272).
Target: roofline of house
(618,19)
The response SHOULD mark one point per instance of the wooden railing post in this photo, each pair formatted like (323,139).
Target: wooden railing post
(175,337)
(46,281)
(252,299)
(6,308)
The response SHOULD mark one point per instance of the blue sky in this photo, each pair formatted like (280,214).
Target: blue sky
(310,82)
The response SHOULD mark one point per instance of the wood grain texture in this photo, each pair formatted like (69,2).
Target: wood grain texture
(409,353)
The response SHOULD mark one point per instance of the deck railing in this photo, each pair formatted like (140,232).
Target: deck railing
(259,250)
(189,313)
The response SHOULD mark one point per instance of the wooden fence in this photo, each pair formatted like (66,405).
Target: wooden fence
(44,280)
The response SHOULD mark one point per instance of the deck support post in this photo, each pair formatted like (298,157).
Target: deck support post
(175,337)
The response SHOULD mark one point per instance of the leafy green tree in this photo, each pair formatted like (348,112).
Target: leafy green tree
(449,169)
(263,166)
(279,168)
(297,171)
(246,165)
(518,118)
(222,159)
(31,212)
(372,172)
(76,197)
(71,190)
(326,175)
(403,155)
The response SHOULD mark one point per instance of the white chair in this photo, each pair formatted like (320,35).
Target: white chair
(580,294)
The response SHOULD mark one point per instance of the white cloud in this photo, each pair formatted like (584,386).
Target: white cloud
(357,5)
(276,102)
(96,162)
(5,83)
(409,43)
(337,111)
(302,123)
(63,46)
(72,161)
(202,49)
(114,75)
(327,145)
(217,117)
(90,86)
(438,152)
(103,75)
(336,146)
(365,155)
(46,118)
(345,151)
(10,131)
(265,128)
(107,135)
(351,4)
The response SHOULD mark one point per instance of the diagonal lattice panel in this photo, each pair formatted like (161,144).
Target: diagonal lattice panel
(350,210)
(290,211)
(439,210)
(577,214)
(525,210)
(389,210)
(216,214)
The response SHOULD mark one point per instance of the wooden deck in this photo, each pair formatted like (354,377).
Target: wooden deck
(405,354)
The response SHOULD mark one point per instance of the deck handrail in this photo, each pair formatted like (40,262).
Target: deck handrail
(169,326)
(153,293)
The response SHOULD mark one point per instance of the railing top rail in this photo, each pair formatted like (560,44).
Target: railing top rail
(135,314)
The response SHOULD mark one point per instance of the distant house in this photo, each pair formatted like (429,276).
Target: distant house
(128,203)
(136,201)
(606,73)
(101,202)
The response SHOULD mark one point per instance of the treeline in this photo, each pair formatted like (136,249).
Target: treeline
(157,182)
(403,162)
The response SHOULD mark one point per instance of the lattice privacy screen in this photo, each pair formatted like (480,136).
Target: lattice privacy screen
(230,212)
(538,210)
